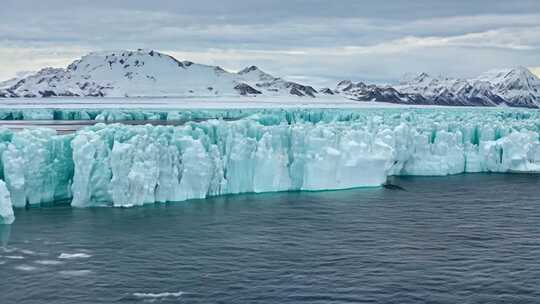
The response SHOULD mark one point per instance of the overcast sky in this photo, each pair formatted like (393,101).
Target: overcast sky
(315,41)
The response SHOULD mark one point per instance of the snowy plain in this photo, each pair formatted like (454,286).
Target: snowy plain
(193,103)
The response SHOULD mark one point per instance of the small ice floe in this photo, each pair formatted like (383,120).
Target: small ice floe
(27,252)
(156,296)
(8,249)
(25,268)
(48,262)
(52,243)
(79,255)
(14,257)
(75,273)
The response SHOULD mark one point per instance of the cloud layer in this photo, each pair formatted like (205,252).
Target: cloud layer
(318,41)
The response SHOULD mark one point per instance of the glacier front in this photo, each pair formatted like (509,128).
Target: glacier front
(6,210)
(262,151)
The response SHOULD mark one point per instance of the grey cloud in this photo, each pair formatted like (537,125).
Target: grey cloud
(243,10)
(373,40)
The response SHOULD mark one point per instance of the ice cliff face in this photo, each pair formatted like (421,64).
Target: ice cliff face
(6,210)
(159,164)
(147,73)
(274,150)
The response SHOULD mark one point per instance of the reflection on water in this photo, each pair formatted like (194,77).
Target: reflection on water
(5,232)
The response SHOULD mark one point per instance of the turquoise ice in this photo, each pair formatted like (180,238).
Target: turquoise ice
(260,151)
(6,210)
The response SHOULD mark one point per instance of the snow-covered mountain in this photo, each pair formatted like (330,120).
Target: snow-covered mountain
(147,73)
(519,87)
(10,82)
(363,92)
(512,87)
(516,87)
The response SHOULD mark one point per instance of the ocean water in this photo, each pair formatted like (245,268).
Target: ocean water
(460,239)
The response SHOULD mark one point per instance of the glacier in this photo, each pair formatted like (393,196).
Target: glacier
(235,151)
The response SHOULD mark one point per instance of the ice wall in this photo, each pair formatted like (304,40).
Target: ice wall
(6,208)
(37,166)
(264,151)
(137,165)
(122,114)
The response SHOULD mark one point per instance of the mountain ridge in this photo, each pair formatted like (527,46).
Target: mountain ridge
(516,87)
(149,73)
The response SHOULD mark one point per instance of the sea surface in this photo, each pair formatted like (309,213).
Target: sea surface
(460,239)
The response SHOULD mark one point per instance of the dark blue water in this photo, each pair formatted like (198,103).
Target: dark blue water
(459,239)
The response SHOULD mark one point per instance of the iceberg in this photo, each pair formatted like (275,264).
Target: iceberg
(258,151)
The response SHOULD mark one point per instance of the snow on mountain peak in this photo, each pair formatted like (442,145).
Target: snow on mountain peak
(422,77)
(512,79)
(148,73)
(254,74)
(409,78)
(344,85)
(513,87)
(249,69)
(518,86)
